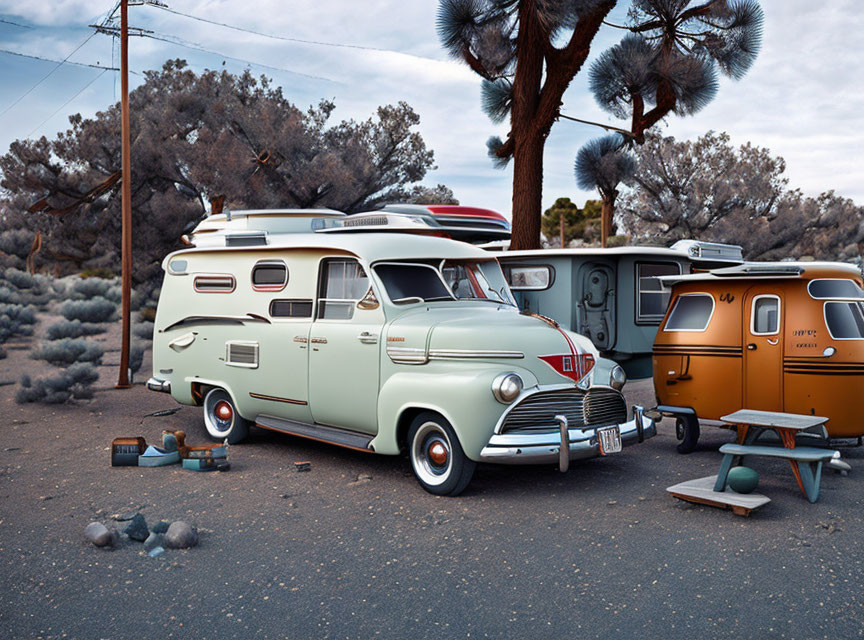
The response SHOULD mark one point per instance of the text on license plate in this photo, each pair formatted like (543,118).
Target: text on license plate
(609,439)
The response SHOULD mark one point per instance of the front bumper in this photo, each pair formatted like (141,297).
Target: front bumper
(544,447)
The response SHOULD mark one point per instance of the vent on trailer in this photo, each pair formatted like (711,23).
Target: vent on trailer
(711,251)
(241,354)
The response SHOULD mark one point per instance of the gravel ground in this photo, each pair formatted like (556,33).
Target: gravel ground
(355,549)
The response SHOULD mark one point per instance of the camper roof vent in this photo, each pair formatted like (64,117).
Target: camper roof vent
(759,270)
(255,239)
(699,250)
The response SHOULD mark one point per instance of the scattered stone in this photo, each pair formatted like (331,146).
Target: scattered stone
(100,535)
(12,449)
(160,527)
(155,552)
(181,535)
(137,528)
(153,540)
(302,466)
(222,465)
(611,502)
(361,478)
(46,497)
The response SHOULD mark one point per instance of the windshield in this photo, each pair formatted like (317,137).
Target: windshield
(409,282)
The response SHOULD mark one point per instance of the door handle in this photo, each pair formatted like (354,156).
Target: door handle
(368,338)
(318,340)
(751,347)
(773,343)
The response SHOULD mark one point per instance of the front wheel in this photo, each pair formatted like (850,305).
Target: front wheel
(221,418)
(437,458)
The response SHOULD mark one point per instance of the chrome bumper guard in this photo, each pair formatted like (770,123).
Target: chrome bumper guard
(554,445)
(155,384)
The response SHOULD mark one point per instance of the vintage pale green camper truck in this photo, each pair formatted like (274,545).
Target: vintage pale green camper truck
(386,343)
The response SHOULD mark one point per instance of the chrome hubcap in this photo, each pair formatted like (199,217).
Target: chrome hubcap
(431,454)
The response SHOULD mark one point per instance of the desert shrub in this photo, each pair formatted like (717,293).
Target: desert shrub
(17,242)
(143,330)
(73,329)
(91,288)
(96,310)
(99,272)
(16,320)
(63,353)
(136,357)
(74,382)
(20,287)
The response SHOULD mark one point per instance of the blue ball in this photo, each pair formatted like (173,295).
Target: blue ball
(742,480)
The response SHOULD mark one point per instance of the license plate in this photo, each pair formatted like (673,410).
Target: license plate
(609,439)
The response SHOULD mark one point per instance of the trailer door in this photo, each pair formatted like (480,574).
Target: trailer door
(763,349)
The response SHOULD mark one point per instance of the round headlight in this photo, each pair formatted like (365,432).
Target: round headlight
(507,387)
(618,377)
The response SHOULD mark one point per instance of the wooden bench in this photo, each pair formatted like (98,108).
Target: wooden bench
(806,463)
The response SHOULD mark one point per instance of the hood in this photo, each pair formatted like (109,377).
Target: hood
(490,333)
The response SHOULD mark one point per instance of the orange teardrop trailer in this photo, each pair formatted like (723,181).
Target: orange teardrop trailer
(768,336)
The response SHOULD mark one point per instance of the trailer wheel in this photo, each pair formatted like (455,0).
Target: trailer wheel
(688,428)
(221,418)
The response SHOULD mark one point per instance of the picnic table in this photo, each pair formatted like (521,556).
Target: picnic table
(786,425)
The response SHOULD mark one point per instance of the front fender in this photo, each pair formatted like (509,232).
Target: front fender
(463,395)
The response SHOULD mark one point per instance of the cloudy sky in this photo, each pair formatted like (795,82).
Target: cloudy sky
(803,99)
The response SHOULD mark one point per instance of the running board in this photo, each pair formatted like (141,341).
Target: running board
(331,435)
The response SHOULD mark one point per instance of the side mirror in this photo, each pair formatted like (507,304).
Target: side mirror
(369,301)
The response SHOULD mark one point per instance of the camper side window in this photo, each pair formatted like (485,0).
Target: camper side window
(845,320)
(652,298)
(692,312)
(291,308)
(269,275)
(343,283)
(765,316)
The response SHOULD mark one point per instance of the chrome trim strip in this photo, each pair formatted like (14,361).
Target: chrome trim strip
(455,354)
(407,355)
(157,384)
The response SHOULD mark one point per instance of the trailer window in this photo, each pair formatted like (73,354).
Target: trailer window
(692,312)
(652,298)
(836,289)
(765,315)
(269,275)
(291,308)
(536,278)
(845,320)
(343,283)
(214,283)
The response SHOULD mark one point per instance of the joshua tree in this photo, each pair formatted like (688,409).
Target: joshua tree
(668,64)
(603,164)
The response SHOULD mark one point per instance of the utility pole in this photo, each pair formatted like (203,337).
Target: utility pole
(126,198)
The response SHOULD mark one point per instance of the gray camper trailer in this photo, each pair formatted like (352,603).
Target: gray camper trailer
(611,296)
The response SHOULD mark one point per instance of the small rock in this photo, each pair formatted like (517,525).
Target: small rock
(160,527)
(155,552)
(153,540)
(302,466)
(611,502)
(137,528)
(181,535)
(364,476)
(100,535)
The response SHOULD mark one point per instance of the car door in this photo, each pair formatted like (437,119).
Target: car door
(344,348)
(763,349)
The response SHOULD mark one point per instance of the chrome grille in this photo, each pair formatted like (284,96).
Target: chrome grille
(538,411)
(604,406)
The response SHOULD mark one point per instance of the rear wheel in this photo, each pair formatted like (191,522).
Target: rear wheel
(221,418)
(437,458)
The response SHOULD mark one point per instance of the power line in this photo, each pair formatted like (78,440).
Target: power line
(47,75)
(269,35)
(23,26)
(60,108)
(77,64)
